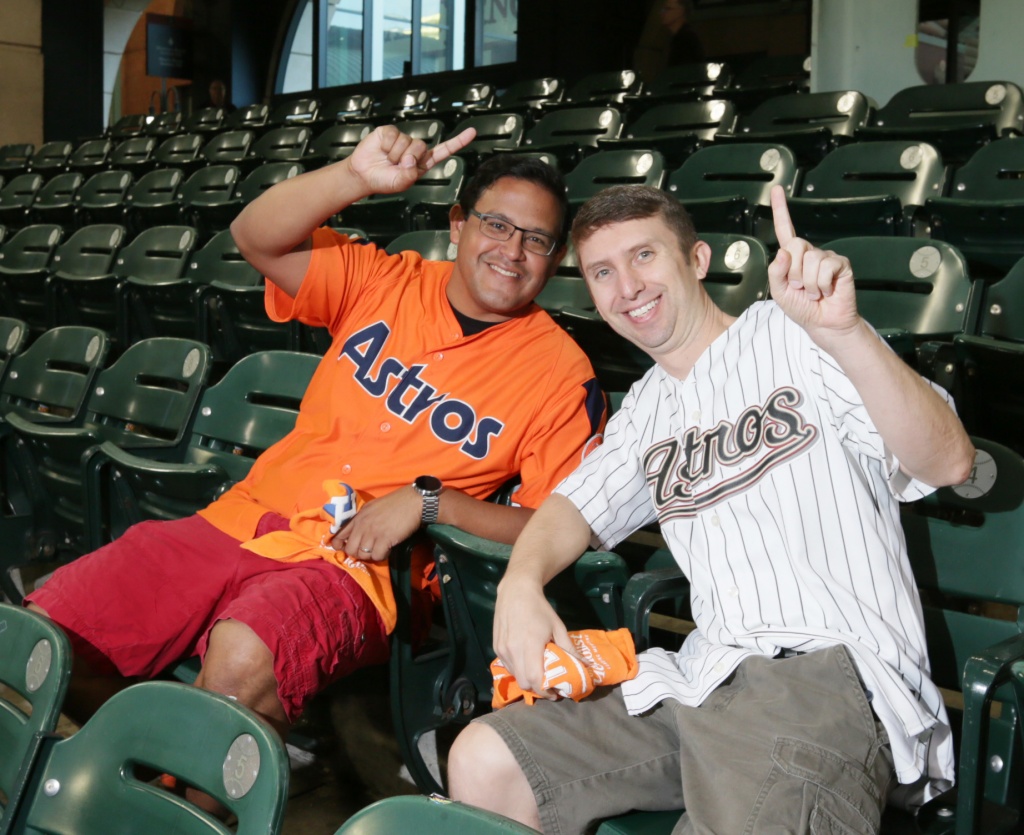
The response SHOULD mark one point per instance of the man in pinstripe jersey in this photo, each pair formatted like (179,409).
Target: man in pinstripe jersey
(773,450)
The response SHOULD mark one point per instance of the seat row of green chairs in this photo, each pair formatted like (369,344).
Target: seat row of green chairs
(89,448)
(103,778)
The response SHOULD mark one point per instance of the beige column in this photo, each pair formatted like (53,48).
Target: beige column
(21,72)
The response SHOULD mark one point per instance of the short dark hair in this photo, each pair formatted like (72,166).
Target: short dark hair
(532,169)
(621,203)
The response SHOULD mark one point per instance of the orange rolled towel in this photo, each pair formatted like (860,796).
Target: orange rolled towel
(608,658)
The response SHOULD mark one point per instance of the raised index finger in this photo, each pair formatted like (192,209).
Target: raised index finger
(784,230)
(449,147)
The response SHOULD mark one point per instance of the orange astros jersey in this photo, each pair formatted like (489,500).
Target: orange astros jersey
(402,392)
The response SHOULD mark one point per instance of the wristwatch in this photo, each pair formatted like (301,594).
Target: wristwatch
(429,487)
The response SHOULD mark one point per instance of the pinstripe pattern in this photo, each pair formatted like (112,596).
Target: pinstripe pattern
(778,499)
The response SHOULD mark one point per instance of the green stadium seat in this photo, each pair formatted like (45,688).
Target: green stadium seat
(14,158)
(96,781)
(282,144)
(205,120)
(204,198)
(294,113)
(16,198)
(809,124)
(446,684)
(456,103)
(101,199)
(676,129)
(956,118)
(229,147)
(529,96)
(983,216)
(252,407)
(600,89)
(696,81)
(764,78)
(432,244)
(251,117)
(400,104)
(867,188)
(55,202)
(427,816)
(131,124)
(911,290)
(179,151)
(611,168)
(334,143)
(91,156)
(164,124)
(24,266)
(726,188)
(494,130)
(152,200)
(50,158)
(572,133)
(146,401)
(354,107)
(35,665)
(133,155)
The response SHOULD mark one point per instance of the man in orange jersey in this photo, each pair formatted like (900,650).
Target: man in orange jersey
(442,382)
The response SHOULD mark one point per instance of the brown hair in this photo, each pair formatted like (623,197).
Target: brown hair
(621,203)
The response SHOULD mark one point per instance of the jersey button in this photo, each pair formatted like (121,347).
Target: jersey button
(347,469)
(695,416)
(715,520)
(439,356)
(719,668)
(734,592)
(385,427)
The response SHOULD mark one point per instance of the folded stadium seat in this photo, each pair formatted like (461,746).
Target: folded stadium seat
(24,267)
(613,168)
(809,124)
(911,290)
(456,103)
(434,815)
(294,113)
(211,201)
(55,202)
(251,117)
(233,318)
(14,336)
(284,144)
(133,155)
(426,128)
(765,77)
(676,130)
(91,156)
(3,229)
(50,158)
(432,244)
(209,189)
(984,214)
(697,81)
(867,188)
(92,782)
(163,125)
(334,143)
(89,255)
(204,120)
(35,667)
(16,197)
(253,406)
(617,362)
(566,288)
(401,104)
(971,611)
(726,188)
(132,124)
(956,118)
(145,402)
(424,205)
(988,364)
(179,151)
(572,133)
(155,258)
(230,147)
(341,110)
(14,159)
(152,200)
(101,199)
(447,681)
(493,130)
(609,89)
(48,383)
(529,96)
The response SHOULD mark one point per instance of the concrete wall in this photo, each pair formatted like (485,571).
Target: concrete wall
(21,72)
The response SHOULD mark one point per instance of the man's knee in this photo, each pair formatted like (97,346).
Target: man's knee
(236,657)
(482,770)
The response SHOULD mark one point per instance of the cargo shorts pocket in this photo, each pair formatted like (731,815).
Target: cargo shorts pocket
(819,790)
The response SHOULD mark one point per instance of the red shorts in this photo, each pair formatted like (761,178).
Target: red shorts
(150,598)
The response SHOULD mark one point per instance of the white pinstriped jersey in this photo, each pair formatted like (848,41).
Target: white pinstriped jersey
(779,501)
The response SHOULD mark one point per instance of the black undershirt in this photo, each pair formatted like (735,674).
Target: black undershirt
(471,327)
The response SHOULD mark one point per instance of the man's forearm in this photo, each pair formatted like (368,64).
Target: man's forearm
(271,232)
(551,541)
(917,425)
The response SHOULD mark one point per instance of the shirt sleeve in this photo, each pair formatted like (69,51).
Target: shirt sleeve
(337,270)
(856,429)
(567,428)
(610,488)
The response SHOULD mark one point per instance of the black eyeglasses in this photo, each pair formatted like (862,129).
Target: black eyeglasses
(539,243)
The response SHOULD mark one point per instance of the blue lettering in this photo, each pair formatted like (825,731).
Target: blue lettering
(452,434)
(481,445)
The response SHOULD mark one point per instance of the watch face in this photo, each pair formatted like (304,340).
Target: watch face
(428,484)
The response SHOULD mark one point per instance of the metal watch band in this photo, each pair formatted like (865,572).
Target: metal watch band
(430,507)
